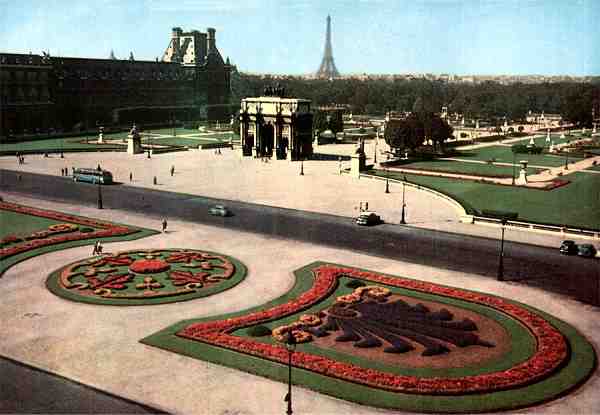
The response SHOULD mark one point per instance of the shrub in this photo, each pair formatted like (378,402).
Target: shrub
(86,230)
(355,284)
(259,331)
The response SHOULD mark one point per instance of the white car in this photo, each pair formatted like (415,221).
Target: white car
(219,210)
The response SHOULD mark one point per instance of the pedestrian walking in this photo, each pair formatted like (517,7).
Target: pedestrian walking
(95,250)
(154,180)
(99,248)
(130,176)
(164,225)
(172,170)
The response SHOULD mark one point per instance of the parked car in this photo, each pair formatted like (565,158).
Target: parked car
(219,210)
(586,250)
(368,219)
(568,248)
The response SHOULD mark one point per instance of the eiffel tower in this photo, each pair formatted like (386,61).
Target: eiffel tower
(327,70)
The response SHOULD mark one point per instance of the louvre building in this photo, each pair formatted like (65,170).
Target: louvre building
(42,93)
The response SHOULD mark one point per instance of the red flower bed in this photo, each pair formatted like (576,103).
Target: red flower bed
(58,233)
(551,351)
(149,266)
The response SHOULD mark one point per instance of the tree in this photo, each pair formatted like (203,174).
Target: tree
(408,133)
(436,129)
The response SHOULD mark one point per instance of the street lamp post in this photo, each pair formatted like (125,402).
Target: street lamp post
(99,194)
(567,155)
(387,181)
(501,260)
(340,164)
(290,345)
(513,166)
(375,153)
(402,219)
(301,167)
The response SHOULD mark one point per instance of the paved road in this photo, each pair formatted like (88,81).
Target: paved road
(24,389)
(529,264)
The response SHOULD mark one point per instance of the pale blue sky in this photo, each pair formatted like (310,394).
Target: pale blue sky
(549,37)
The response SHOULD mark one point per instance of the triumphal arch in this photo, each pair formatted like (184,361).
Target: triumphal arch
(273,125)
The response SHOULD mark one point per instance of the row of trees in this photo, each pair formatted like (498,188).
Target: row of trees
(489,100)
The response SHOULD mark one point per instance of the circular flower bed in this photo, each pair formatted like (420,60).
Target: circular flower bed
(146,277)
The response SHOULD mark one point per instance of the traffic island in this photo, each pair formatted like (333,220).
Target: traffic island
(395,343)
(146,277)
(29,231)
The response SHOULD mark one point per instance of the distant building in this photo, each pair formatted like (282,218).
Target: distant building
(273,125)
(39,93)
(543,120)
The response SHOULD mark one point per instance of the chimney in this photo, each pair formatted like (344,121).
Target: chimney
(175,34)
(211,41)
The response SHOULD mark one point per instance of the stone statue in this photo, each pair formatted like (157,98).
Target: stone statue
(134,132)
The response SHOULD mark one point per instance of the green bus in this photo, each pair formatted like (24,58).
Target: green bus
(92,176)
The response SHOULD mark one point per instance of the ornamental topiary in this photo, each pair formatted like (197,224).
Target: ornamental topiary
(355,284)
(259,331)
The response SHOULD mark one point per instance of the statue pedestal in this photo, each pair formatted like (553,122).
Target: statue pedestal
(134,144)
(100,138)
(358,164)
(522,179)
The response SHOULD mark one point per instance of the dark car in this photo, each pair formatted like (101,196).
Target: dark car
(586,250)
(368,219)
(568,248)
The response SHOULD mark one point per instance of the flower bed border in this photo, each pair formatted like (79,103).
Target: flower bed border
(107,229)
(28,248)
(551,352)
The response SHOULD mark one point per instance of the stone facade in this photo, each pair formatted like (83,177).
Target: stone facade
(43,93)
(276,126)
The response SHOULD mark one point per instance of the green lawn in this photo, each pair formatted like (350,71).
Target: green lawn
(21,225)
(13,223)
(467,168)
(504,154)
(178,141)
(169,131)
(576,204)
(62,144)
